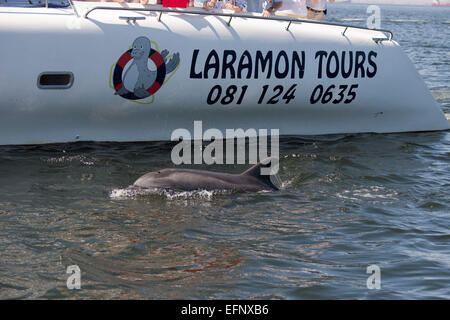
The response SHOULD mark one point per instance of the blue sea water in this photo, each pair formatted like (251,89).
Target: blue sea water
(347,202)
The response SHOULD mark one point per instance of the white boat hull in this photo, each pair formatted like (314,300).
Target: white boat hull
(391,97)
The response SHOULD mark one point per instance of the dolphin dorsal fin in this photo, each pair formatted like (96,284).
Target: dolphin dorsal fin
(255,171)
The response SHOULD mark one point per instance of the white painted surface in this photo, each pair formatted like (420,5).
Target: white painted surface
(37,40)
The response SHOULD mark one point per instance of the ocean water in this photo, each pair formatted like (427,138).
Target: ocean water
(347,202)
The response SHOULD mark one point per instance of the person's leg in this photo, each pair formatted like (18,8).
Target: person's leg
(318,16)
(321,16)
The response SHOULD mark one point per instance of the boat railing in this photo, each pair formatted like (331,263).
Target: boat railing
(231,16)
(35,3)
(73,7)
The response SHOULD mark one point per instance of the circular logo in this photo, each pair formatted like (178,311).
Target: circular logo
(152,88)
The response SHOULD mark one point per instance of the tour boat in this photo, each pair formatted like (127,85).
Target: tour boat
(87,71)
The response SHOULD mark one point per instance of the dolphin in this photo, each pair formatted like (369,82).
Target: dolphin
(189,180)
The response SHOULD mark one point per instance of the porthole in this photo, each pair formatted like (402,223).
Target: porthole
(55,80)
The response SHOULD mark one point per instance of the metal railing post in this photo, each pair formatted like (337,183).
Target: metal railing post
(73,8)
(231,16)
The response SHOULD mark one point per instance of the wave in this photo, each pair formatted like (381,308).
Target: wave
(385,20)
(353,19)
(403,21)
(440,95)
(132,193)
(64,160)
(379,193)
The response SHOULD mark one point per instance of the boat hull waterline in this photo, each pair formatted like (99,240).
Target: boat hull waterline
(139,81)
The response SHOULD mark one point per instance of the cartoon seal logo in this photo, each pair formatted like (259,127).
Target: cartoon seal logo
(132,77)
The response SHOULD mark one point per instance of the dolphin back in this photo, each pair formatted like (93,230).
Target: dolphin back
(189,179)
(256,173)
